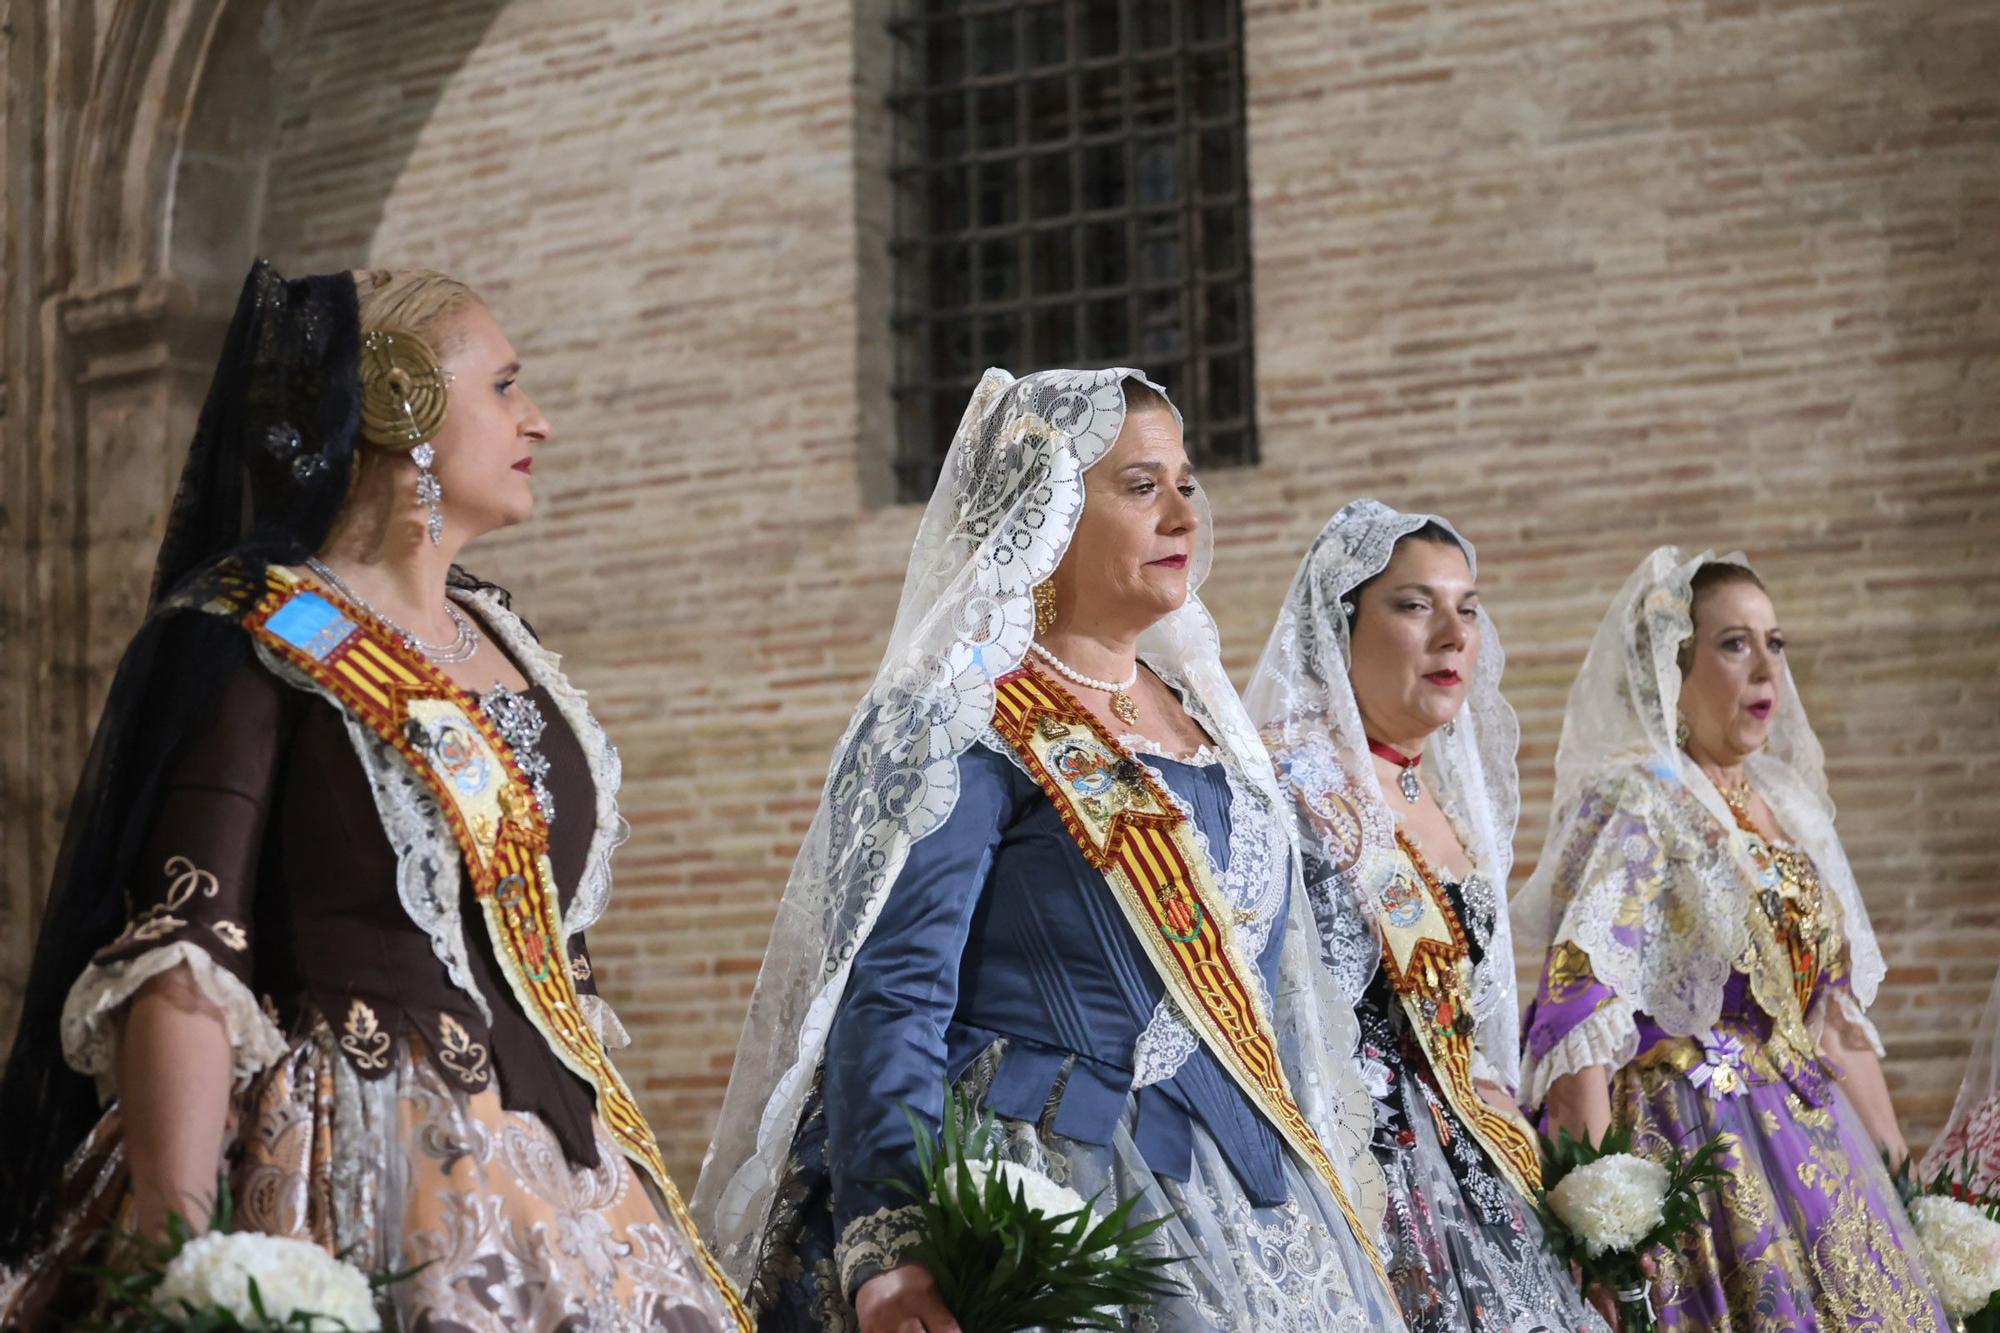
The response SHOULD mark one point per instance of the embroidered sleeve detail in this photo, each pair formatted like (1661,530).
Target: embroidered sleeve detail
(1608,1037)
(604,1022)
(876,1242)
(91,1015)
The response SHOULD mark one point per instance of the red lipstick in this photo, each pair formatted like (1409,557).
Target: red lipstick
(1444,680)
(525,466)
(1171,561)
(1760,710)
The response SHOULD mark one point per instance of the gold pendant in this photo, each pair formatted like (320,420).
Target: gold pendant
(1121,704)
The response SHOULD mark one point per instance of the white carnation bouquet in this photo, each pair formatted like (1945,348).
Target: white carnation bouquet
(1011,1249)
(1961,1246)
(1960,1239)
(229,1281)
(1603,1207)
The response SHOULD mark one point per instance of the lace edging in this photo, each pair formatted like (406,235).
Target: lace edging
(1609,1037)
(543,666)
(877,1240)
(429,874)
(1856,1017)
(90,1014)
(604,1022)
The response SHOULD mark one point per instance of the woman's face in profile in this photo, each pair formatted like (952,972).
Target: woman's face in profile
(485,449)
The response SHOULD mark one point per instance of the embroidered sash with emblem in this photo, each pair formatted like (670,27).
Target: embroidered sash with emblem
(1126,827)
(467,766)
(1427,960)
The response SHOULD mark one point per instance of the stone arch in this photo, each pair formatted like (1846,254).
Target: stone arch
(161,117)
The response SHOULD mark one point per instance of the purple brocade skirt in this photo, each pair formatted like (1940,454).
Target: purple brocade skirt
(1806,1233)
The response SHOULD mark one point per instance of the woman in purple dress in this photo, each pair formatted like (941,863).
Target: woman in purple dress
(1709,963)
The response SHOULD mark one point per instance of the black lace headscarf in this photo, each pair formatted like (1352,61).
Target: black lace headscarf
(265,478)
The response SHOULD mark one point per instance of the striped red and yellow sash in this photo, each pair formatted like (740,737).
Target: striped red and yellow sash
(1426,959)
(466,764)
(1127,828)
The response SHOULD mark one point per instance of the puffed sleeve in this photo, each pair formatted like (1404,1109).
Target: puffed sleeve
(1577,1019)
(191,905)
(886,1049)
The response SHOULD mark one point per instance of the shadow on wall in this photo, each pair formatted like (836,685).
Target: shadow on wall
(269,77)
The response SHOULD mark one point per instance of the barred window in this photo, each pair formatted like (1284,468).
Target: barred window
(1070,191)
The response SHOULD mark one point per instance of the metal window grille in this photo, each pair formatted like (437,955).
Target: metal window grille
(1071,189)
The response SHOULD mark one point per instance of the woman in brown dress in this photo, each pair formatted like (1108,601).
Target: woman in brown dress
(318,925)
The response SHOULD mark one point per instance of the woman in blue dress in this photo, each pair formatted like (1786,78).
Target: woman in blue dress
(972,904)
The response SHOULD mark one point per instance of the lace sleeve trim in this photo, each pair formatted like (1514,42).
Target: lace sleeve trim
(1609,1037)
(876,1242)
(91,1015)
(604,1022)
(1854,1016)
(1485,1071)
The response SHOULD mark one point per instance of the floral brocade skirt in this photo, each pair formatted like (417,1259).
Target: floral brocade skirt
(402,1171)
(1806,1231)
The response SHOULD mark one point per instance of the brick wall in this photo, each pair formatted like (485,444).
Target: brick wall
(1586,275)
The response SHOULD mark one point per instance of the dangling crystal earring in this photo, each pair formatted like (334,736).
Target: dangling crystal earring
(1045,606)
(403,399)
(1681,731)
(429,493)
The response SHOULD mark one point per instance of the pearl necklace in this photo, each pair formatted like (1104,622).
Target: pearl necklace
(463,645)
(1121,702)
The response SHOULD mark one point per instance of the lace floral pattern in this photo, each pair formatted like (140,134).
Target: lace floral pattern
(876,1242)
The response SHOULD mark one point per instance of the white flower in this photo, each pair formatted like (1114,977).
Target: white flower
(1612,1203)
(1961,1247)
(292,1276)
(1041,1194)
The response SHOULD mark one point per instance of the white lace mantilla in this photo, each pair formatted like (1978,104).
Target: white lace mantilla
(998,523)
(1302,697)
(1640,837)
(94,1011)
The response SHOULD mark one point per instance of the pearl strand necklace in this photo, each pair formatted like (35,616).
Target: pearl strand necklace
(1121,702)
